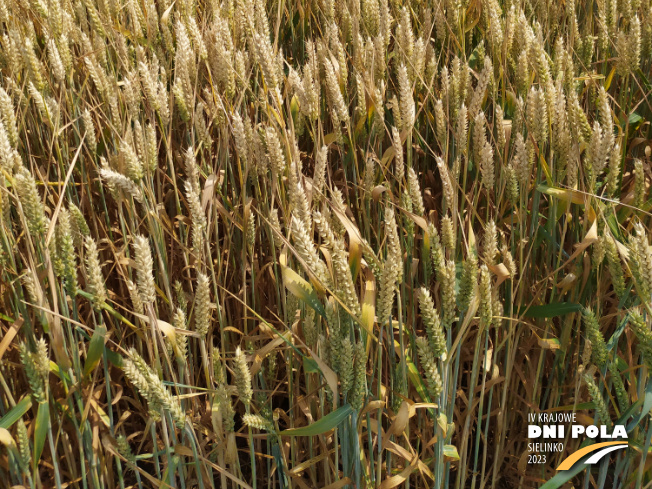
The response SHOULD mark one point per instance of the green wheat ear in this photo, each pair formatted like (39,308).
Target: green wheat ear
(430,368)
(94,274)
(202,305)
(643,335)
(599,346)
(598,400)
(23,446)
(150,386)
(242,377)
(124,449)
(34,366)
(432,322)
(486,303)
(258,422)
(30,201)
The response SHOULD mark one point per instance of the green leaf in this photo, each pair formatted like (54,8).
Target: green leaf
(633,119)
(473,59)
(450,453)
(613,341)
(647,407)
(310,366)
(41,430)
(510,104)
(7,318)
(302,290)
(95,350)
(322,425)
(56,370)
(642,76)
(294,109)
(417,381)
(549,310)
(549,343)
(16,412)
(567,195)
(114,358)
(280,465)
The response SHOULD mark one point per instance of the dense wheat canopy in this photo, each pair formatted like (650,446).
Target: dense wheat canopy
(261,243)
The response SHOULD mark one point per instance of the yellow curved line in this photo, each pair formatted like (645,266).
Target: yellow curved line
(571,459)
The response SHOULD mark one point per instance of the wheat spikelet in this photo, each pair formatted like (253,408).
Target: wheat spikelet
(144,270)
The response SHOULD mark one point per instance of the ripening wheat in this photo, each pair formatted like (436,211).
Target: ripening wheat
(321,244)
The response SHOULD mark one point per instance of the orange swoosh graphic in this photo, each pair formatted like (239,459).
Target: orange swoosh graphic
(571,459)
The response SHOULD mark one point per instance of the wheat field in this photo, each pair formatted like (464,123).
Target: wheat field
(322,244)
